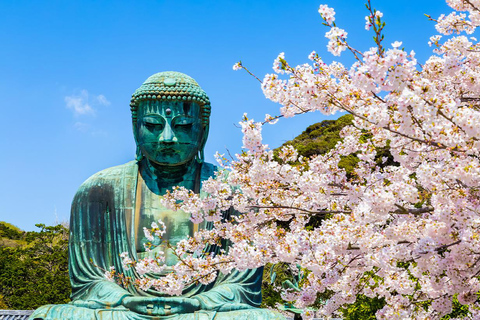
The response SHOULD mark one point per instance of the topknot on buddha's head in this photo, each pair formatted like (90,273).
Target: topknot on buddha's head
(171,86)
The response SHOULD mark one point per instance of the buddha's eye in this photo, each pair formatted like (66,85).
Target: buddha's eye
(153,123)
(183,122)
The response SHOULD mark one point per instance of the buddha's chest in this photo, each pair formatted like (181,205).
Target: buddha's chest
(177,223)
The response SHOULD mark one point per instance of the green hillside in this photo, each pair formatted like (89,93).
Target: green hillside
(10,235)
(320,137)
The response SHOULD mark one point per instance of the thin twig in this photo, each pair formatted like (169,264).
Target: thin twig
(402,210)
(245,68)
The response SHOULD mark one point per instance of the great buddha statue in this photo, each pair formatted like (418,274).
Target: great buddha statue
(170,114)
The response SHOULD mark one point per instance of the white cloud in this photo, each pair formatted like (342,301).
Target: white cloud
(79,104)
(102,100)
(83,103)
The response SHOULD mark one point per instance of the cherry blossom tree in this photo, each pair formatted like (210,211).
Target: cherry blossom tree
(408,233)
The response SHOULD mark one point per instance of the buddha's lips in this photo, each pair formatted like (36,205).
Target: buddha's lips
(167,145)
(167,150)
(156,144)
(174,147)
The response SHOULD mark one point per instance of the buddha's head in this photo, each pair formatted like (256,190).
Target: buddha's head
(170,114)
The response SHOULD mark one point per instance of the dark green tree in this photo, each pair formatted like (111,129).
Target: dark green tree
(35,272)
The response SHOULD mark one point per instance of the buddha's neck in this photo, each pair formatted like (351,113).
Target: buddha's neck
(160,178)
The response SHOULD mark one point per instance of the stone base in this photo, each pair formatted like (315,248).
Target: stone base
(70,312)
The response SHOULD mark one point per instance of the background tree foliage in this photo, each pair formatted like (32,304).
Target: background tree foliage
(33,267)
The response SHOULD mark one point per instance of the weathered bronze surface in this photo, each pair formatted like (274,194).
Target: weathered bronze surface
(170,114)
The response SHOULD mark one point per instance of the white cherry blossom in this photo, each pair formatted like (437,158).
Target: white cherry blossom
(406,231)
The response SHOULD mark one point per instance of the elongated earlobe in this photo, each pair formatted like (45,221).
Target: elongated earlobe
(200,157)
(139,154)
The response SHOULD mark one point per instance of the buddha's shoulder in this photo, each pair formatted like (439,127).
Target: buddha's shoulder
(112,176)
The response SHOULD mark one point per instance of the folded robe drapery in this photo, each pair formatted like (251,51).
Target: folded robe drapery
(101,228)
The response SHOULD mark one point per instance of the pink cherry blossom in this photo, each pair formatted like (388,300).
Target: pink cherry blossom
(406,231)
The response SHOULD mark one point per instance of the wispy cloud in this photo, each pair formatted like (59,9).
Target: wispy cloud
(83,104)
(102,100)
(79,104)
(81,126)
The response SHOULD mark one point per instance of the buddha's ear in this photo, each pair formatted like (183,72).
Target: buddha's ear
(138,153)
(200,157)
(135,130)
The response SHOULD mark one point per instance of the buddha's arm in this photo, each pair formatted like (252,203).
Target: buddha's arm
(95,243)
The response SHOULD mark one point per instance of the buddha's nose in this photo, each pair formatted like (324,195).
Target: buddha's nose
(167,136)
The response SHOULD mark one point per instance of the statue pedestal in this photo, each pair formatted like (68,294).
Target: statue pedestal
(70,312)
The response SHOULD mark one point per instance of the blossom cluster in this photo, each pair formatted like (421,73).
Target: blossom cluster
(406,231)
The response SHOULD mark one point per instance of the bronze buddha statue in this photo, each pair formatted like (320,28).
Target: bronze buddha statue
(170,114)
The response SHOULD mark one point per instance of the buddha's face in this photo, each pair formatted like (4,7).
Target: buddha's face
(169,132)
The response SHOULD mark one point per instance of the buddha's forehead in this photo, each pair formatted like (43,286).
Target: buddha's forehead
(171,107)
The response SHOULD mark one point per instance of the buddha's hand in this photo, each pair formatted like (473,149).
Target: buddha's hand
(161,306)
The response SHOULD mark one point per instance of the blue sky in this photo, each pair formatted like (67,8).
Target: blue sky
(68,69)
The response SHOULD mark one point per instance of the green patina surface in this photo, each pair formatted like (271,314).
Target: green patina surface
(170,114)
